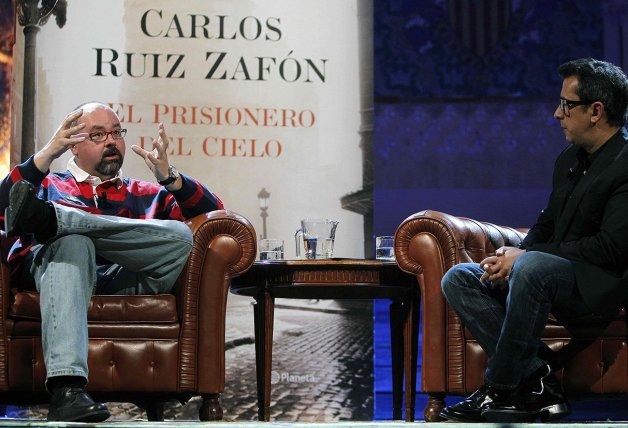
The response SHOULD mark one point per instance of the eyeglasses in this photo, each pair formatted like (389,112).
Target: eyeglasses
(566,105)
(101,136)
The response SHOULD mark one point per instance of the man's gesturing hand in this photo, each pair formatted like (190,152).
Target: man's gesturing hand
(65,137)
(157,159)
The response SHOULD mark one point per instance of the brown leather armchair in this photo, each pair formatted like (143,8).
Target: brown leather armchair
(142,349)
(591,355)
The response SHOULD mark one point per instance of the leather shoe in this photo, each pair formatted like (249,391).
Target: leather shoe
(470,409)
(73,404)
(539,396)
(28,214)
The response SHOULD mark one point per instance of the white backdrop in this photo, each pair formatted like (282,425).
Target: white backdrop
(256,95)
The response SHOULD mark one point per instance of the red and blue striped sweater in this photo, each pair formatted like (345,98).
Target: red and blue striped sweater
(125,197)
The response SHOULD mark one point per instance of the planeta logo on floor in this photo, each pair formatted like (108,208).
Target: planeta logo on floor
(276,377)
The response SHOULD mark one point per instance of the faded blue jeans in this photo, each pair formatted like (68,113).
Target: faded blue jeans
(97,254)
(508,324)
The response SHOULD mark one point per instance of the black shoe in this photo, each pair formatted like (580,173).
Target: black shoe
(540,396)
(28,214)
(469,409)
(73,404)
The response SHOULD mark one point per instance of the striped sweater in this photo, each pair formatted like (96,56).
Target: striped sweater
(125,197)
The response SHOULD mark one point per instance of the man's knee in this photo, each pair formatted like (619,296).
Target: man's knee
(453,277)
(182,230)
(446,281)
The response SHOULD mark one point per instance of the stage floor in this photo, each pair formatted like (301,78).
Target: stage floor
(341,348)
(185,424)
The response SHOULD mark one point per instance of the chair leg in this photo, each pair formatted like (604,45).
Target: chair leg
(155,411)
(210,410)
(435,403)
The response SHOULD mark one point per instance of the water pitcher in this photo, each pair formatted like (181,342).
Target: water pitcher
(316,237)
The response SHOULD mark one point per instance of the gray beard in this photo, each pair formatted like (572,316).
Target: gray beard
(109,168)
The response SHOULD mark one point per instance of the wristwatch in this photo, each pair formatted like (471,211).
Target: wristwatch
(173,174)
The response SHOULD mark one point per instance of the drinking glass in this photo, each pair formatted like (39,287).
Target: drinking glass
(271,249)
(385,248)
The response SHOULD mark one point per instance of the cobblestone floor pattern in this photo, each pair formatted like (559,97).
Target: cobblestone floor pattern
(322,367)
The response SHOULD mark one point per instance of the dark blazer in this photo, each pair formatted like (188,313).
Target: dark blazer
(589,225)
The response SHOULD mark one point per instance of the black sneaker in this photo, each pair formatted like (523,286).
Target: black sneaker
(73,404)
(540,396)
(469,409)
(28,214)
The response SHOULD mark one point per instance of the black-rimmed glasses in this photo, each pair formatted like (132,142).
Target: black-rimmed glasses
(100,136)
(566,105)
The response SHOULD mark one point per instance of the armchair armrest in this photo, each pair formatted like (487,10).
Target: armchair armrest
(224,246)
(427,244)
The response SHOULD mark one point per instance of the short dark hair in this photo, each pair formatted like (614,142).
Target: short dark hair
(600,81)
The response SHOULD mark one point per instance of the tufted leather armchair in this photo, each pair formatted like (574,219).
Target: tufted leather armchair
(142,349)
(591,355)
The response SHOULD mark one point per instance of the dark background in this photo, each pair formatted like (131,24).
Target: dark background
(464,126)
(465,91)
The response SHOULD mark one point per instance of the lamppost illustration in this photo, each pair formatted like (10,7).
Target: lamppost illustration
(263,196)
(31,16)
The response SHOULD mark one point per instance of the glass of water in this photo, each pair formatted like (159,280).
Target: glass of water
(271,249)
(385,248)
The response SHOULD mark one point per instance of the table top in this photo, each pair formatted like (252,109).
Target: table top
(336,278)
(333,262)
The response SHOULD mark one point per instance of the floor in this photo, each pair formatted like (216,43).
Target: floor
(191,424)
(331,386)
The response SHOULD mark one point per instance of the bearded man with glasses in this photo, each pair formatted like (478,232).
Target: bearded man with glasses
(573,262)
(87,230)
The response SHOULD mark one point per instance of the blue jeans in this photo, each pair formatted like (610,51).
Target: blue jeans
(97,254)
(508,324)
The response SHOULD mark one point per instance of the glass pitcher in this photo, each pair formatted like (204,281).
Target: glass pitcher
(316,237)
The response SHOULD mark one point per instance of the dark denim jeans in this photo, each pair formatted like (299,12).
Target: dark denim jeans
(508,323)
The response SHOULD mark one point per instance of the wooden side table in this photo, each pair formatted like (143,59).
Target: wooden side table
(335,279)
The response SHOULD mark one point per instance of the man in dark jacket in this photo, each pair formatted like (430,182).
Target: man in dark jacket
(572,263)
